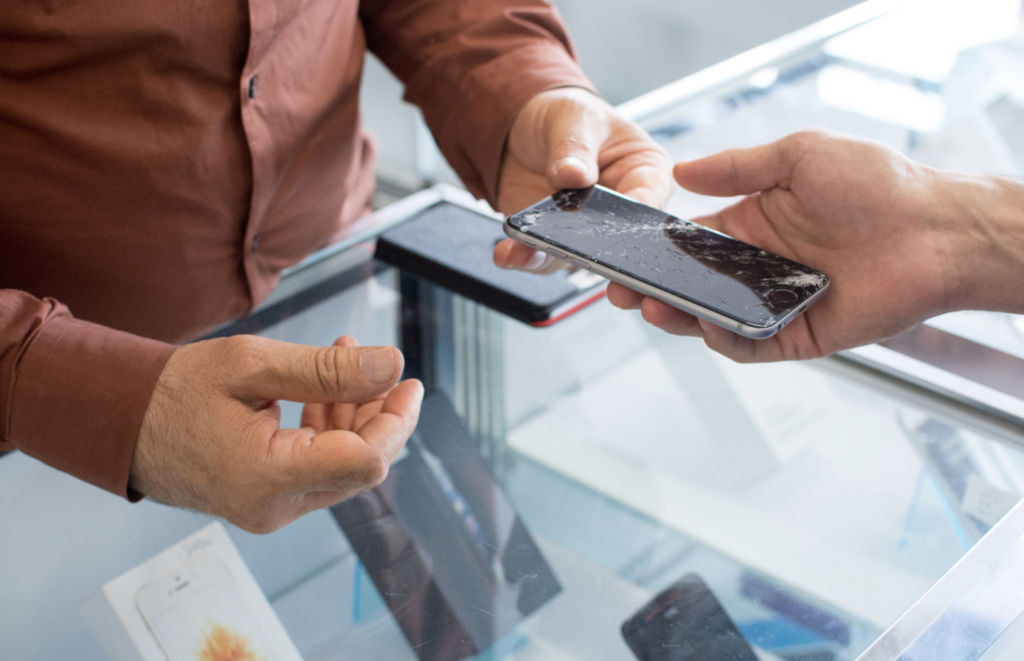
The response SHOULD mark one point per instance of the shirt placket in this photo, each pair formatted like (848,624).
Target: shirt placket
(264,20)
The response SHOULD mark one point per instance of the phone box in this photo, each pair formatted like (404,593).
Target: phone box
(443,544)
(196,599)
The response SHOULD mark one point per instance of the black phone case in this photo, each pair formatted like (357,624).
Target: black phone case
(452,246)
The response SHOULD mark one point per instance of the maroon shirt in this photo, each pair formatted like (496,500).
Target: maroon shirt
(161,162)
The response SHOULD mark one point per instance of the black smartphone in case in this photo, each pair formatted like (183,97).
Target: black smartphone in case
(708,274)
(685,622)
(452,246)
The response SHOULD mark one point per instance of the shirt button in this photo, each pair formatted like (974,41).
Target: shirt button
(255,242)
(253,86)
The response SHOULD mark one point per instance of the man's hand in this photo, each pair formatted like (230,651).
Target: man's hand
(881,226)
(569,138)
(211,438)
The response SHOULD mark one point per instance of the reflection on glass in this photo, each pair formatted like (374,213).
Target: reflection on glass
(448,553)
(685,622)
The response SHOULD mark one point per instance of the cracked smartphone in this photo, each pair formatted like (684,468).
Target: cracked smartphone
(730,283)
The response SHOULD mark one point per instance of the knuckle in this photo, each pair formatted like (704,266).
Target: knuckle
(657,156)
(804,139)
(244,353)
(575,142)
(329,364)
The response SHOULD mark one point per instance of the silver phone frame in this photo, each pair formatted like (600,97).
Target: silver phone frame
(686,305)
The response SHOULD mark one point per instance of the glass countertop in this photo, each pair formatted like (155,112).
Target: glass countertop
(815,505)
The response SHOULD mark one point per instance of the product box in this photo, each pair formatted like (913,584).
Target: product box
(196,601)
(443,544)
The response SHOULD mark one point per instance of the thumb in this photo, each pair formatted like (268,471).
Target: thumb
(294,372)
(574,138)
(738,171)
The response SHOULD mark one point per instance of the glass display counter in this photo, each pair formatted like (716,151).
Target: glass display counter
(861,506)
(940,82)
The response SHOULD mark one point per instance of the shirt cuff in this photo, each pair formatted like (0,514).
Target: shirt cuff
(78,399)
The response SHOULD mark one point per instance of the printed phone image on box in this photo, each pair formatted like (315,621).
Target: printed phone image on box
(195,601)
(196,612)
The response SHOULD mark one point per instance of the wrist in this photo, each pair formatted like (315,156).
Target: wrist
(984,219)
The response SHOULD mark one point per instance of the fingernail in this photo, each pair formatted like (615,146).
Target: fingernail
(378,365)
(571,162)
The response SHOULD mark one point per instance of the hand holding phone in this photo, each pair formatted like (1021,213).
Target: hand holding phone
(730,283)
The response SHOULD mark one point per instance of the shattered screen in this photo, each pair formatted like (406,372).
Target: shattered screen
(735,279)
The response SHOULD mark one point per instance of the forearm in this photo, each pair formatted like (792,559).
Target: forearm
(988,214)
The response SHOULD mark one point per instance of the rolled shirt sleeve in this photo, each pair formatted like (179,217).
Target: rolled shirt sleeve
(73,393)
(471,65)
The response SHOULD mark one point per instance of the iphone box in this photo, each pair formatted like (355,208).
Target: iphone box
(195,600)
